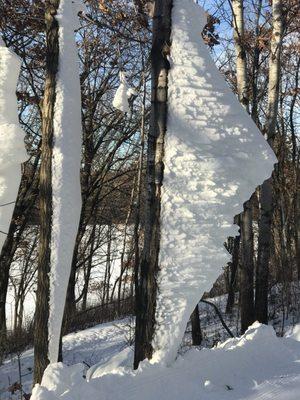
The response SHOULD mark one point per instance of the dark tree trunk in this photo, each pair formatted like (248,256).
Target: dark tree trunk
(265,223)
(233,274)
(147,286)
(263,257)
(45,190)
(5,261)
(196,327)
(246,269)
(87,274)
(70,306)
(297,222)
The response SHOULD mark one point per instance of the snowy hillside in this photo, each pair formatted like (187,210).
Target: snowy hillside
(256,366)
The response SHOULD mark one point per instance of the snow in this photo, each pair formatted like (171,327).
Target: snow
(215,156)
(12,146)
(123,93)
(258,365)
(294,333)
(66,164)
(89,347)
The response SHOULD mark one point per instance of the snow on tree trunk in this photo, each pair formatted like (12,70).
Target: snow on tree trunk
(12,148)
(66,160)
(123,93)
(215,156)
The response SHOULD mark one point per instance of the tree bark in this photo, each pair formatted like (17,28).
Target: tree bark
(239,44)
(41,359)
(255,66)
(147,285)
(5,261)
(263,257)
(274,70)
(245,219)
(233,274)
(266,203)
(196,327)
(247,269)
(297,219)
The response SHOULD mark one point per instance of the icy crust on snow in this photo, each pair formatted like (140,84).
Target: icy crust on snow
(66,164)
(257,365)
(215,156)
(12,148)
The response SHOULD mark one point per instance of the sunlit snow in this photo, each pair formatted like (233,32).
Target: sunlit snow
(66,162)
(12,148)
(215,156)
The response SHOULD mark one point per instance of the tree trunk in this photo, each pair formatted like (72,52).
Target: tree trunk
(233,275)
(274,70)
(41,359)
(255,66)
(137,221)
(263,257)
(297,221)
(239,41)
(196,328)
(147,285)
(247,269)
(265,232)
(5,261)
(88,270)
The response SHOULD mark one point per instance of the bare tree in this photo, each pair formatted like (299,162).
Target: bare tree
(147,285)
(266,192)
(43,286)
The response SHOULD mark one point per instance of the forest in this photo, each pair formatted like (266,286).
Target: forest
(149,199)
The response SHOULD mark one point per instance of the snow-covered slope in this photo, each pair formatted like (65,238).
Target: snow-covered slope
(91,346)
(12,148)
(66,163)
(256,366)
(215,156)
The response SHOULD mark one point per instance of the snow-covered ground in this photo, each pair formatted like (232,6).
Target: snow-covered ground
(257,366)
(89,347)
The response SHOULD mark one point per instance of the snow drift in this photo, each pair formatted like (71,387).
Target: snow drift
(257,365)
(66,162)
(12,148)
(215,156)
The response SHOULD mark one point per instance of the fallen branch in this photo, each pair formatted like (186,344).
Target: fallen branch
(220,316)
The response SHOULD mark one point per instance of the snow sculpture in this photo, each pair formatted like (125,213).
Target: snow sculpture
(12,149)
(66,163)
(123,93)
(215,156)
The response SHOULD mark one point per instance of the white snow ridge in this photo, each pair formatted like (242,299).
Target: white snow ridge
(215,156)
(66,163)
(12,148)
